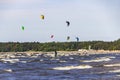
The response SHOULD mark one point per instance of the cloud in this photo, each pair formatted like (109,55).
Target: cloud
(88,18)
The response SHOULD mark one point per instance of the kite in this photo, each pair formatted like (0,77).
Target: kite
(52,36)
(68,37)
(23,28)
(68,23)
(77,39)
(42,17)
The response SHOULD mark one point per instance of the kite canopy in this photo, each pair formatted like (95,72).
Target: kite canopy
(52,36)
(23,28)
(68,23)
(77,39)
(68,37)
(42,17)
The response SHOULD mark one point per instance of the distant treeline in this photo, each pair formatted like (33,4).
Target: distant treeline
(59,46)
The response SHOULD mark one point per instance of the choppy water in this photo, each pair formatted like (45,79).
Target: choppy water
(44,67)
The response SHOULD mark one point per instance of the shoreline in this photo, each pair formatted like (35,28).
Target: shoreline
(82,51)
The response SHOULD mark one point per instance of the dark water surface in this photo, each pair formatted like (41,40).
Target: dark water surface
(44,67)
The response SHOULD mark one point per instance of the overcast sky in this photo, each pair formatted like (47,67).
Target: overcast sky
(89,20)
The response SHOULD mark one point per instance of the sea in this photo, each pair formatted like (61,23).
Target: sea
(65,67)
